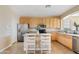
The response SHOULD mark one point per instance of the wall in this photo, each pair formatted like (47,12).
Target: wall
(8,27)
(14,28)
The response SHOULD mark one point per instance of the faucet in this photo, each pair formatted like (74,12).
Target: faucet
(76,25)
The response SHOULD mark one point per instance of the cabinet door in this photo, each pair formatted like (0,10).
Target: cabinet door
(68,40)
(54,36)
(57,23)
(60,39)
(44,21)
(40,21)
(47,22)
(24,20)
(51,23)
(21,21)
(54,23)
(32,22)
(35,21)
(65,40)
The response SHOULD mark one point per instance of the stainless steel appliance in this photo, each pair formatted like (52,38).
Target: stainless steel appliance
(42,28)
(75,45)
(21,29)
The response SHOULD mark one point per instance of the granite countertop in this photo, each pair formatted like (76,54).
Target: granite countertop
(70,34)
(48,30)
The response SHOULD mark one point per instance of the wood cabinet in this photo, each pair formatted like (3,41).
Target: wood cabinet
(54,36)
(24,20)
(50,22)
(66,40)
(54,22)
(33,22)
(40,21)
(43,21)
(47,22)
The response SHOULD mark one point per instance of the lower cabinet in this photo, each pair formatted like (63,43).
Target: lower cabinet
(66,40)
(54,36)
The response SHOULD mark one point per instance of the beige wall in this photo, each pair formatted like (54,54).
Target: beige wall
(5,42)
(8,27)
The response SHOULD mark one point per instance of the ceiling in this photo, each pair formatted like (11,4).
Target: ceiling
(40,10)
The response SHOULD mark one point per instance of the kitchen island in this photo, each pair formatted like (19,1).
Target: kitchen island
(37,43)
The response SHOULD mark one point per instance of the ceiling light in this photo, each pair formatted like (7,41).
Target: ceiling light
(47,6)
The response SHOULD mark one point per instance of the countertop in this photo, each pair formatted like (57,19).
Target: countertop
(70,34)
(48,30)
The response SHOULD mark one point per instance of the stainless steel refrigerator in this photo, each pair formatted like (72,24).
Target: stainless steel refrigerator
(21,30)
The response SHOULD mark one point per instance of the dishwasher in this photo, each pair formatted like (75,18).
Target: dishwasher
(75,44)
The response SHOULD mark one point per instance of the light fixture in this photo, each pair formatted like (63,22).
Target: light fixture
(47,6)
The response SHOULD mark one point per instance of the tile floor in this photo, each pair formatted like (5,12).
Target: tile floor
(57,48)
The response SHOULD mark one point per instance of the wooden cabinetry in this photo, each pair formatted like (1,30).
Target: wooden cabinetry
(33,22)
(47,22)
(24,20)
(54,36)
(66,40)
(40,21)
(50,22)
(43,21)
(56,23)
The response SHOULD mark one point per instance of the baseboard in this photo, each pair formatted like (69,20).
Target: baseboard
(7,47)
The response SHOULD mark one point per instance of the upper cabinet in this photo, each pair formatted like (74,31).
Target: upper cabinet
(47,22)
(57,23)
(24,20)
(35,21)
(50,22)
